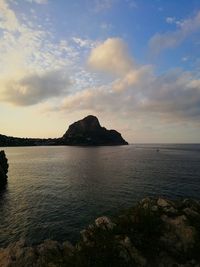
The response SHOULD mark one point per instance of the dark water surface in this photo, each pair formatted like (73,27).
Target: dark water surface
(53,192)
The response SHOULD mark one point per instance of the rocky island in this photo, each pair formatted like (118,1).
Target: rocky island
(88,131)
(156,232)
(85,132)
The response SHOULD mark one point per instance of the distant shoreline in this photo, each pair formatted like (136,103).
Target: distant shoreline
(85,132)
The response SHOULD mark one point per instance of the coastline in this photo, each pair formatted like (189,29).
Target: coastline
(155,232)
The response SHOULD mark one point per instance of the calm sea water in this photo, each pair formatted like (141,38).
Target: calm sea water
(53,192)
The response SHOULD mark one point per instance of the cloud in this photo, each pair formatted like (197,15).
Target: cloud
(174,95)
(111,56)
(41,2)
(36,68)
(170,20)
(136,91)
(20,44)
(102,5)
(83,43)
(132,78)
(35,88)
(141,94)
(132,3)
(185,28)
(106,26)
(31,64)
(8,19)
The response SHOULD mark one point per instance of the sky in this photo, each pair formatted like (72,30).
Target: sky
(135,64)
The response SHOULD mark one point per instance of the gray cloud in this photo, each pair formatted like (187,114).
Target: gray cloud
(185,28)
(174,96)
(36,88)
(138,91)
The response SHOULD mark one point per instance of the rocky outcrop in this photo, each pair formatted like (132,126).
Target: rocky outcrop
(3,168)
(154,233)
(88,131)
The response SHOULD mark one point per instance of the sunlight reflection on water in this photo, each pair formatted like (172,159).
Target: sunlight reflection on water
(53,192)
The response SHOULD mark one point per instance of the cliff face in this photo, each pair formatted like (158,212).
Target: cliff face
(88,131)
(154,233)
(3,168)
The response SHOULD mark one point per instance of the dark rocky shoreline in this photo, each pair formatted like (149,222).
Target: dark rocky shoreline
(155,232)
(3,168)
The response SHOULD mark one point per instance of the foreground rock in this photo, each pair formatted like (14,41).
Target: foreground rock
(155,233)
(3,168)
(88,131)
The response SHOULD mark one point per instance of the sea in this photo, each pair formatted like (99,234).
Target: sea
(54,192)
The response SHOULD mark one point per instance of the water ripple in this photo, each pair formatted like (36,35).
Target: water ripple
(53,192)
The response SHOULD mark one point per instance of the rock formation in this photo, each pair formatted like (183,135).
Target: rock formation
(88,131)
(154,233)
(3,168)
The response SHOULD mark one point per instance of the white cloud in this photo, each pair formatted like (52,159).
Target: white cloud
(111,56)
(138,92)
(170,20)
(185,28)
(184,59)
(38,1)
(8,20)
(30,61)
(84,43)
(102,5)
(132,78)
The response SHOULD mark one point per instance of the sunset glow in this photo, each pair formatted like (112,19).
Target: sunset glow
(133,64)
